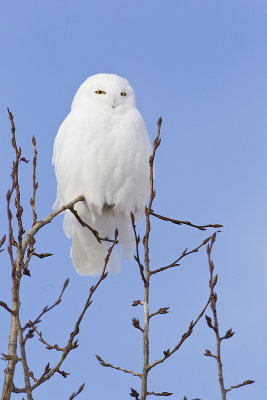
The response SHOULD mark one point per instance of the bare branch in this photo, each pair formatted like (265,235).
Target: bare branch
(137,257)
(16,265)
(78,392)
(104,364)
(42,255)
(2,242)
(4,305)
(178,222)
(84,224)
(34,183)
(39,224)
(136,303)
(163,310)
(24,360)
(147,265)
(7,357)
(209,354)
(48,346)
(188,333)
(248,382)
(136,324)
(134,394)
(46,309)
(160,394)
(184,254)
(214,325)
(71,344)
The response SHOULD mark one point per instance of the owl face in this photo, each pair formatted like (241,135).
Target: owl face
(109,92)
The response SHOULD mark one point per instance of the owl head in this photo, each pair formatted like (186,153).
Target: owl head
(109,92)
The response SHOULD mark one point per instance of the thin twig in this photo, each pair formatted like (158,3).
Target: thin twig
(215,319)
(214,325)
(137,257)
(24,361)
(147,266)
(2,242)
(4,305)
(184,254)
(76,393)
(34,183)
(188,333)
(48,346)
(248,382)
(178,222)
(162,310)
(39,224)
(71,343)
(104,364)
(16,265)
(84,224)
(30,324)
(160,394)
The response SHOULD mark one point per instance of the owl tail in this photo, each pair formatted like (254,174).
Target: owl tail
(88,255)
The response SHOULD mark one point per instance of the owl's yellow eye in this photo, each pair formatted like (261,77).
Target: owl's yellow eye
(123,94)
(100,92)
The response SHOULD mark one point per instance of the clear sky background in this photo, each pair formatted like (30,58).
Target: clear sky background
(201,65)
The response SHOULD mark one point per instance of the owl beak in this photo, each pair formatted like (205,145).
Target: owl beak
(114,103)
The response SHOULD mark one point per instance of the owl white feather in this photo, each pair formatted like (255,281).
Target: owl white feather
(102,151)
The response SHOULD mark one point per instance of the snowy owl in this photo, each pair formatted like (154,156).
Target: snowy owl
(102,151)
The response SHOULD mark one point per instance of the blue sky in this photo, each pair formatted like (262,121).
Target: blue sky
(201,65)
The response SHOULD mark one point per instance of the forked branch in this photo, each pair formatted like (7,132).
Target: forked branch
(214,325)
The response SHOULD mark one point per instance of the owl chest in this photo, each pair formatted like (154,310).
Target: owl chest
(111,146)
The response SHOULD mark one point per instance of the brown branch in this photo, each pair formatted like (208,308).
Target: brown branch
(48,346)
(78,392)
(31,375)
(7,357)
(104,364)
(209,354)
(16,265)
(188,333)
(160,394)
(4,305)
(16,274)
(163,310)
(46,309)
(178,222)
(184,254)
(147,266)
(134,394)
(34,183)
(71,344)
(136,303)
(15,179)
(136,324)
(24,360)
(46,371)
(248,382)
(84,224)
(39,224)
(137,257)
(42,255)
(214,325)
(34,215)
(2,242)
